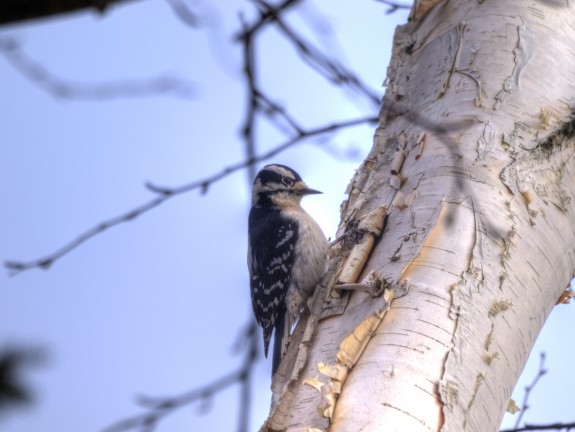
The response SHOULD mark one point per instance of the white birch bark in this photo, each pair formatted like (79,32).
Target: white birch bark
(479,240)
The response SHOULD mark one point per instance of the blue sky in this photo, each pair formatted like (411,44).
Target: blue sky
(155,306)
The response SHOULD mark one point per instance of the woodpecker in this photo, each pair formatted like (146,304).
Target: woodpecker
(287,254)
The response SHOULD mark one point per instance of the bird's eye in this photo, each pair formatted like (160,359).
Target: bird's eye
(287,181)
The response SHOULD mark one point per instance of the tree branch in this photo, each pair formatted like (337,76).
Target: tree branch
(330,69)
(160,407)
(266,16)
(60,88)
(185,14)
(525,405)
(393,6)
(551,426)
(20,10)
(166,193)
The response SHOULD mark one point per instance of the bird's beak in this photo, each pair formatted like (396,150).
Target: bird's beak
(307,191)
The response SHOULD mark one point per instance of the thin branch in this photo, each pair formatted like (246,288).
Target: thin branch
(183,12)
(271,108)
(45,263)
(267,16)
(525,405)
(551,426)
(304,135)
(246,388)
(330,69)
(58,87)
(394,6)
(17,11)
(165,193)
(255,96)
(258,103)
(248,130)
(159,408)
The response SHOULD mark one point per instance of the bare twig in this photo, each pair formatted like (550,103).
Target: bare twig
(303,135)
(166,193)
(248,130)
(330,69)
(183,12)
(273,110)
(267,16)
(394,6)
(15,12)
(253,335)
(257,101)
(158,408)
(525,405)
(551,426)
(58,87)
(260,103)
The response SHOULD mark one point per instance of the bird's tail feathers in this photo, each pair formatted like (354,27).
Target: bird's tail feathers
(281,339)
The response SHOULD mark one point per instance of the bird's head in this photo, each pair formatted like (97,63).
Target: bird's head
(279,183)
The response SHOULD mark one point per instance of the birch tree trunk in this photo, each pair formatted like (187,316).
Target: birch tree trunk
(474,160)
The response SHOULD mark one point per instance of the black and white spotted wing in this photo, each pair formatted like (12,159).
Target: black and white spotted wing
(270,259)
